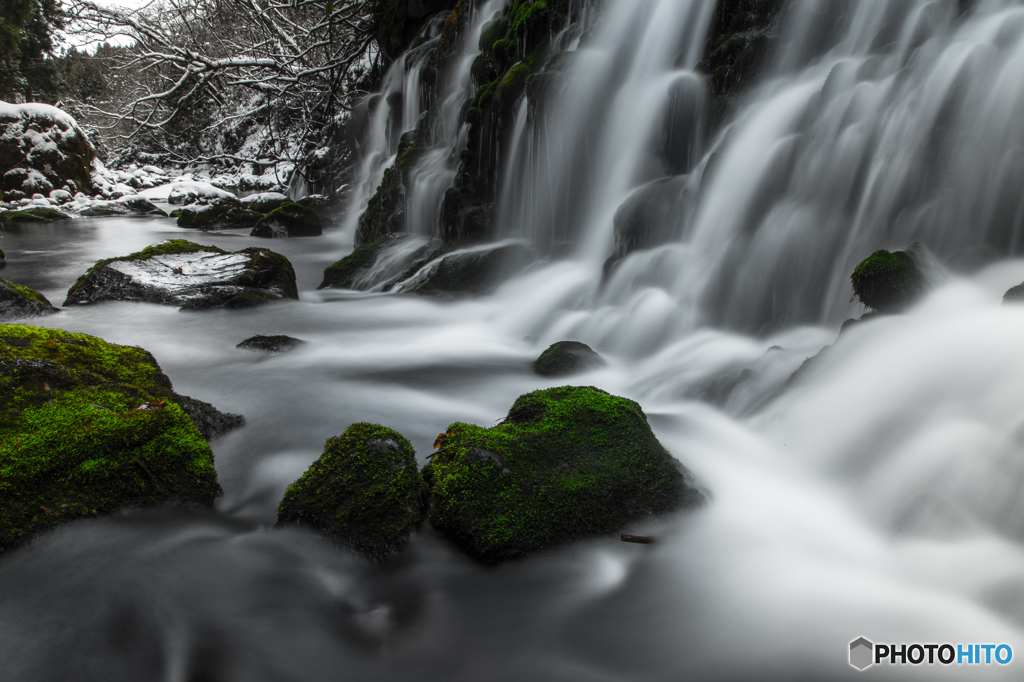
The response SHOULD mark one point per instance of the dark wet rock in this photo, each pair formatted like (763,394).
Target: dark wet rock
(224,215)
(652,215)
(270,344)
(289,220)
(211,422)
(566,463)
(565,358)
(182,273)
(364,492)
(141,206)
(89,427)
(887,282)
(340,275)
(1014,294)
(266,202)
(17,301)
(30,214)
(104,209)
(473,273)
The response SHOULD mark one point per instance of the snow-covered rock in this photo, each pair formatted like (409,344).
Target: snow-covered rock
(188,191)
(189,275)
(60,196)
(42,148)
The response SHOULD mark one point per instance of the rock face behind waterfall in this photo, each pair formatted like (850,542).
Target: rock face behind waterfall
(364,492)
(181,273)
(566,463)
(42,149)
(17,301)
(88,427)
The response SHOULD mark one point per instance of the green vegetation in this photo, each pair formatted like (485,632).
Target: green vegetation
(33,214)
(19,301)
(290,219)
(513,86)
(73,441)
(365,491)
(566,357)
(887,282)
(341,274)
(566,463)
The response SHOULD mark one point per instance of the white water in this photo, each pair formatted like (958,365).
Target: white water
(878,495)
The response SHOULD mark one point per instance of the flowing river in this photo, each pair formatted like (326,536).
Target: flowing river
(878,494)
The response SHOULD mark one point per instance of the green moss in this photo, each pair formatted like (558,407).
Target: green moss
(491,33)
(295,219)
(72,442)
(504,50)
(565,358)
(267,205)
(175,213)
(566,463)
(365,491)
(887,282)
(33,214)
(513,85)
(341,274)
(29,294)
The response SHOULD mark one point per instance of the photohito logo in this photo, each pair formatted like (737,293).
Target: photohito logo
(864,654)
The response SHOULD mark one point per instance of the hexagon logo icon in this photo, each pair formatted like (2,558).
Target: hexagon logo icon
(861,653)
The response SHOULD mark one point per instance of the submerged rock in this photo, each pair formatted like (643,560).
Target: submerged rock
(475,272)
(566,463)
(565,358)
(17,301)
(364,492)
(1014,294)
(210,421)
(182,273)
(31,214)
(270,344)
(289,220)
(887,282)
(89,427)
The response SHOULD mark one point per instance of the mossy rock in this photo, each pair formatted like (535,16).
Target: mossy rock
(223,216)
(277,343)
(17,301)
(104,210)
(512,86)
(189,275)
(474,273)
(342,273)
(565,358)
(289,220)
(566,463)
(33,214)
(887,282)
(364,492)
(89,427)
(265,206)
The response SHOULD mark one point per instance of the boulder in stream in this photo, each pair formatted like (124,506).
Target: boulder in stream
(17,301)
(365,491)
(566,463)
(565,358)
(277,343)
(473,272)
(192,276)
(887,282)
(218,215)
(33,214)
(289,220)
(89,427)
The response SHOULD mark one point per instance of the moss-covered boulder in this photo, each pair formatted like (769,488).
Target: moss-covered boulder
(566,463)
(341,274)
(887,282)
(89,427)
(218,216)
(188,275)
(566,358)
(277,343)
(474,273)
(364,492)
(265,202)
(33,214)
(289,220)
(17,301)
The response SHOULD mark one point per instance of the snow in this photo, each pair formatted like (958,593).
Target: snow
(37,111)
(189,190)
(264,196)
(179,273)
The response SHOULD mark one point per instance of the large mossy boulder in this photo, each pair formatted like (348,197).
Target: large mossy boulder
(222,215)
(188,275)
(265,202)
(364,492)
(566,358)
(887,282)
(566,463)
(89,427)
(289,220)
(17,302)
(33,214)
(42,148)
(473,273)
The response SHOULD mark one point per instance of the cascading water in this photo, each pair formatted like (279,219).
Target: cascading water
(876,493)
